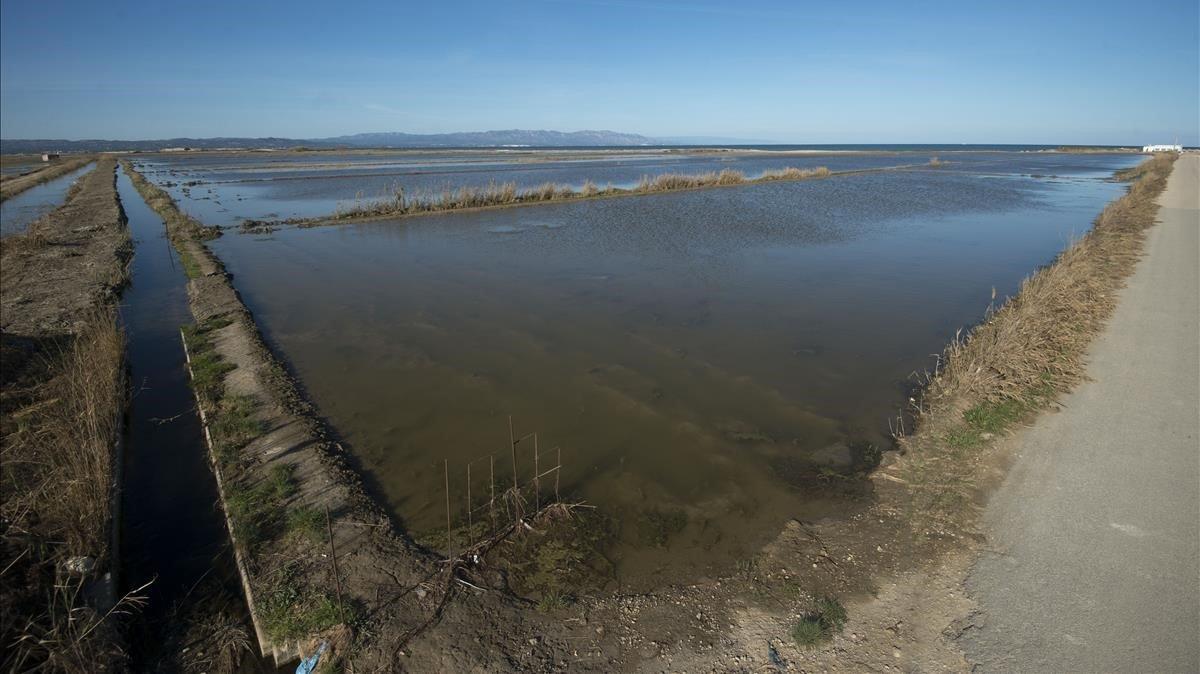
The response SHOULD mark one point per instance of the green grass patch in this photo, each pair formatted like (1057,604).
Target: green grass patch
(808,632)
(994,417)
(208,368)
(250,514)
(208,374)
(289,612)
(281,481)
(831,614)
(233,425)
(306,523)
(553,601)
(191,267)
(257,512)
(819,625)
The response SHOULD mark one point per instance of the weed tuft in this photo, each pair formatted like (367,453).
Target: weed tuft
(306,523)
(808,632)
(819,625)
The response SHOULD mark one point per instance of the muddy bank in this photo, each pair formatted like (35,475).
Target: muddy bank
(281,476)
(885,564)
(11,186)
(61,402)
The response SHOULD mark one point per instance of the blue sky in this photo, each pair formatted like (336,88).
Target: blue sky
(820,72)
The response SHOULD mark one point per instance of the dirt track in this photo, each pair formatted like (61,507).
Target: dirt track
(1096,561)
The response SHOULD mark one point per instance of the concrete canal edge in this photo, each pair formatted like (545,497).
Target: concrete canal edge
(239,557)
(284,484)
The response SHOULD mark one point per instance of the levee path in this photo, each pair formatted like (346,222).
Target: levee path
(1095,561)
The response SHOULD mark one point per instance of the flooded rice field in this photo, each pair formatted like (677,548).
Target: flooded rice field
(18,212)
(223,189)
(712,363)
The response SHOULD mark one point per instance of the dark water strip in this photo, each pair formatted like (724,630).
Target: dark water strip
(174,533)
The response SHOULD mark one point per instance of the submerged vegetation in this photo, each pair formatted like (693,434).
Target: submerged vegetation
(508,194)
(1022,355)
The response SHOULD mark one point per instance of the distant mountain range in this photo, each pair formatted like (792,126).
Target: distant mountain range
(509,138)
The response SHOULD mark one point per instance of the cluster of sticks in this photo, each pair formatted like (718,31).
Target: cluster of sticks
(511,499)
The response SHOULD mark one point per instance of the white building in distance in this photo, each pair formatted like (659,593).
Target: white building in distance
(1162,148)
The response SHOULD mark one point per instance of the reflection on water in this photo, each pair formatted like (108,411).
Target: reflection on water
(712,352)
(18,212)
(224,189)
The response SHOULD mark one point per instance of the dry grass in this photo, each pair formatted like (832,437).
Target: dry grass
(1022,355)
(61,407)
(507,194)
(677,181)
(792,173)
(179,224)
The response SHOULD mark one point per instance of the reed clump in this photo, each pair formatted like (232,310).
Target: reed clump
(495,195)
(667,182)
(1024,353)
(793,173)
(62,404)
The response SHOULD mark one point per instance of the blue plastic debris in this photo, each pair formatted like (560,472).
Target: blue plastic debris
(309,665)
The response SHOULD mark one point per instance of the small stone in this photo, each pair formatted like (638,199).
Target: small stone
(649,649)
(896,653)
(421,592)
(534,641)
(79,566)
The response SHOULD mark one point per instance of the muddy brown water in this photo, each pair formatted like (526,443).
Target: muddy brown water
(703,359)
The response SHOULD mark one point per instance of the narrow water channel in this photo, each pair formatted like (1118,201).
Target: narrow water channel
(173,531)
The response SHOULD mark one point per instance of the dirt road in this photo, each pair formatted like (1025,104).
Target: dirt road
(1095,561)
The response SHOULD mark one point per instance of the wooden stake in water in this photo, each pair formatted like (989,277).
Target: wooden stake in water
(537,492)
(512,443)
(449,541)
(492,489)
(470,519)
(557,473)
(337,577)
